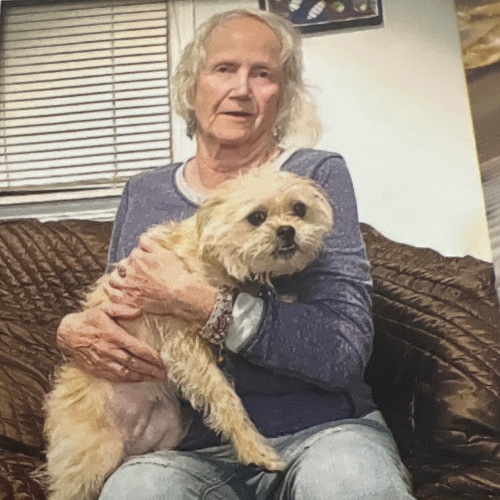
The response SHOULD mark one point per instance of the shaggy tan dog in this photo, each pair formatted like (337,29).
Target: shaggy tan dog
(257,226)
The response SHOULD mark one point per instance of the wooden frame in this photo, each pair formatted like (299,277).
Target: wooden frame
(311,16)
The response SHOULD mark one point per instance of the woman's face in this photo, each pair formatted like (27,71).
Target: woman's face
(238,90)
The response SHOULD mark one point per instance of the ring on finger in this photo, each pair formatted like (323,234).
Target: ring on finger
(130,361)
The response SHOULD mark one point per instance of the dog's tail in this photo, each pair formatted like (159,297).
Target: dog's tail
(82,447)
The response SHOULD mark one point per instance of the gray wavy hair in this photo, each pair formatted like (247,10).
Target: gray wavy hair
(297,121)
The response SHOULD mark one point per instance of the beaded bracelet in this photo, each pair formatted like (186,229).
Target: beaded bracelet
(217,326)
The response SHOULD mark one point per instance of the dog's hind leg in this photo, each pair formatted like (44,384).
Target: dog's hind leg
(192,367)
(83,447)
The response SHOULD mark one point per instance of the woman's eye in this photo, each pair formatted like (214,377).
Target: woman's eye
(222,69)
(299,209)
(257,218)
(264,74)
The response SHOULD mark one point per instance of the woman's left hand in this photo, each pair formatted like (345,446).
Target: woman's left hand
(155,280)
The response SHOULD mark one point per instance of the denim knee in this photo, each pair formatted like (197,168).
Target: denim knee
(145,481)
(169,476)
(348,465)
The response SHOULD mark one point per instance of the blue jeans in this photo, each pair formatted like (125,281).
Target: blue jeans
(353,459)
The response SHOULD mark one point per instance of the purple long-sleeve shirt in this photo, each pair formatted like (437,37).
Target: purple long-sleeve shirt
(297,364)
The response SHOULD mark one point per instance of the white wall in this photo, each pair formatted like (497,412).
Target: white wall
(393,100)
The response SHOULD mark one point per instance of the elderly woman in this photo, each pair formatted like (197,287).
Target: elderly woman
(298,367)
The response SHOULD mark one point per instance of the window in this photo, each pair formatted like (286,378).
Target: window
(84,100)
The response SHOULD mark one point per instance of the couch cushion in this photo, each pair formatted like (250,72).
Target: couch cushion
(459,481)
(44,270)
(435,369)
(16,481)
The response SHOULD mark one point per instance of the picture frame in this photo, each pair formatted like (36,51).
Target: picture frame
(310,16)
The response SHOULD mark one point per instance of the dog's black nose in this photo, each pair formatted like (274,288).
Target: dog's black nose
(286,233)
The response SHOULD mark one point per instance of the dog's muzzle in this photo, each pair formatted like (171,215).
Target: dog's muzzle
(288,245)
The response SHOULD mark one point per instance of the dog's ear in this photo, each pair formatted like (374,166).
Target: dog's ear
(207,216)
(207,212)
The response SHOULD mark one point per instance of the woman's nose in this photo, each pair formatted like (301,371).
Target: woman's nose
(241,84)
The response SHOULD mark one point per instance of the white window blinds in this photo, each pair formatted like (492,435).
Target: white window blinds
(84,93)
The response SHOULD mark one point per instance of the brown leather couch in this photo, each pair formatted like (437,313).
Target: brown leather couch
(435,367)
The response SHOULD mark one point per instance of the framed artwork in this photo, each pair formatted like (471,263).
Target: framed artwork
(311,15)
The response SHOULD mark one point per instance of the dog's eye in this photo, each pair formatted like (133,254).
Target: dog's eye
(257,218)
(299,209)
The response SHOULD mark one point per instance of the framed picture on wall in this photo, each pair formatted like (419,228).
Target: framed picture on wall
(311,15)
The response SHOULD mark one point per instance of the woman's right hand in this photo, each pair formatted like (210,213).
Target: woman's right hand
(94,340)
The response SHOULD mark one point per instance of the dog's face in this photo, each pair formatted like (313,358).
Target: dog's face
(264,223)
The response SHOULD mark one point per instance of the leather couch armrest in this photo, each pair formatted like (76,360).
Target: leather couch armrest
(434,369)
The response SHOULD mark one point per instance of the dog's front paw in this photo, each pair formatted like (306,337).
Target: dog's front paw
(272,462)
(260,454)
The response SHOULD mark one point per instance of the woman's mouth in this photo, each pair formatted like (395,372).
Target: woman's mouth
(238,114)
